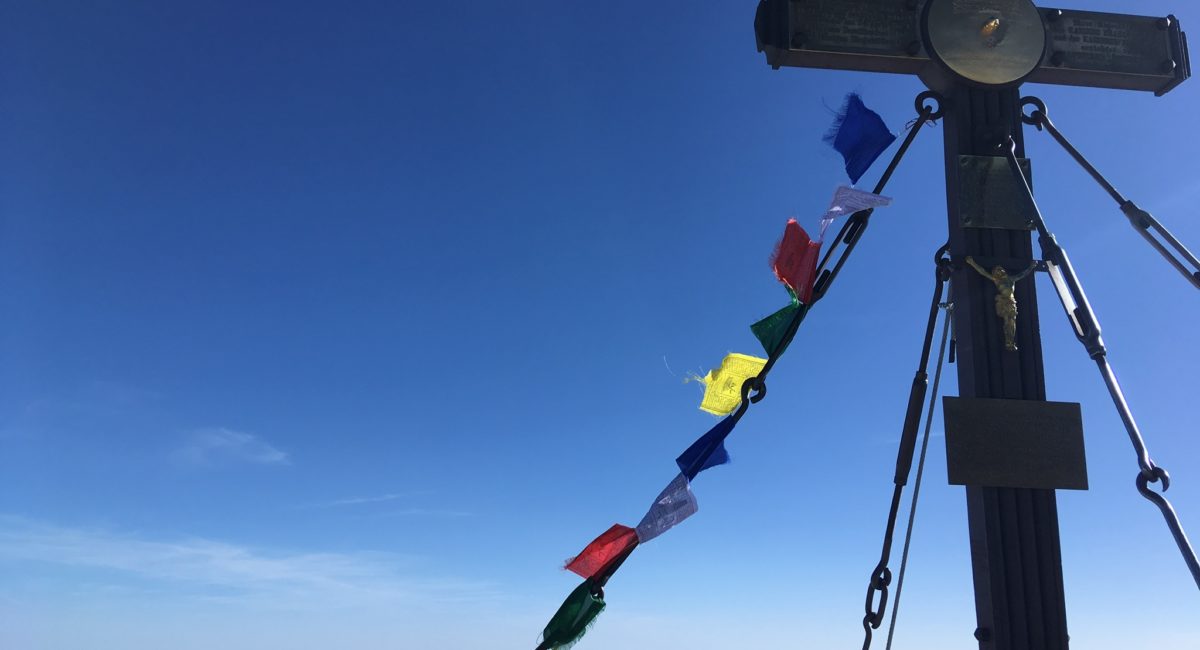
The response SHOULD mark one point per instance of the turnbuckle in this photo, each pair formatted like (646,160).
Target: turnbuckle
(1142,221)
(881,576)
(1087,330)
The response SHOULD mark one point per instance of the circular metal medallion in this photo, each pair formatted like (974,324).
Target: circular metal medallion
(989,42)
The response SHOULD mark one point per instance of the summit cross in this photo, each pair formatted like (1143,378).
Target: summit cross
(975,54)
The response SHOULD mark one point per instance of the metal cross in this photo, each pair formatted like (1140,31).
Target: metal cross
(975,54)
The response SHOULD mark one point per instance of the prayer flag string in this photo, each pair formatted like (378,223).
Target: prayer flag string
(860,136)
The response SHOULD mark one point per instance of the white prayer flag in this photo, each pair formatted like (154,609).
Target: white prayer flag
(847,200)
(674,504)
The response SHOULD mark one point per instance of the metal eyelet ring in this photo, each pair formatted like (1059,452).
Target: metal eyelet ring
(1039,107)
(1154,476)
(755,385)
(930,96)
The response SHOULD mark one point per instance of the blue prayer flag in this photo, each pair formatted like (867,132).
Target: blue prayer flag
(708,451)
(859,134)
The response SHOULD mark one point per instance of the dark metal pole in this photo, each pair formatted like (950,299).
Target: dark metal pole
(1015,554)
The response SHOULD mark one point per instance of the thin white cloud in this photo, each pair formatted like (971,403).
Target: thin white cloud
(357,501)
(220,571)
(415,511)
(427,512)
(221,446)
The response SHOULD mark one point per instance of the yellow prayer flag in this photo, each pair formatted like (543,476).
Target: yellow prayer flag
(723,387)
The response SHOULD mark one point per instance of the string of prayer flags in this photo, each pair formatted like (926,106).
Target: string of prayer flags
(772,331)
(614,543)
(723,387)
(847,200)
(573,617)
(708,450)
(674,504)
(860,135)
(795,260)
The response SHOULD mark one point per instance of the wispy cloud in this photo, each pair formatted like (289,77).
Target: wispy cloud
(368,503)
(426,512)
(221,446)
(91,407)
(220,571)
(358,501)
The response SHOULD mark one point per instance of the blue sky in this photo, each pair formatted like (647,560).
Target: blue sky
(344,326)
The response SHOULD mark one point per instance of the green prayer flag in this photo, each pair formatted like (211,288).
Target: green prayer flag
(775,331)
(573,617)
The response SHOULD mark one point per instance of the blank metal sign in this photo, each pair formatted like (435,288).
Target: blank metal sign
(1014,443)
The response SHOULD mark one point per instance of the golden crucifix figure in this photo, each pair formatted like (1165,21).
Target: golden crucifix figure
(1006,300)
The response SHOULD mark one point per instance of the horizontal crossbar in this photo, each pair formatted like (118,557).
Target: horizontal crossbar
(1084,48)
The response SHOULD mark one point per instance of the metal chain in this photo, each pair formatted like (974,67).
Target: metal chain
(1087,330)
(1141,220)
(881,576)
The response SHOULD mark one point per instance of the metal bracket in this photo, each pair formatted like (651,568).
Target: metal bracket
(1014,443)
(985,189)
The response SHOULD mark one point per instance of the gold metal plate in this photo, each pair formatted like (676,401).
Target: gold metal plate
(990,42)
(986,187)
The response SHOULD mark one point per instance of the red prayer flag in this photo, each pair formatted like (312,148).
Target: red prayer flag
(613,544)
(795,260)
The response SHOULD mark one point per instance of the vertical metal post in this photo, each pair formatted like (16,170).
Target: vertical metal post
(1015,552)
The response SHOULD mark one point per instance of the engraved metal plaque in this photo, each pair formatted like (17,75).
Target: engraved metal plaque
(1128,52)
(871,35)
(1089,48)
(1014,443)
(854,26)
(986,187)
